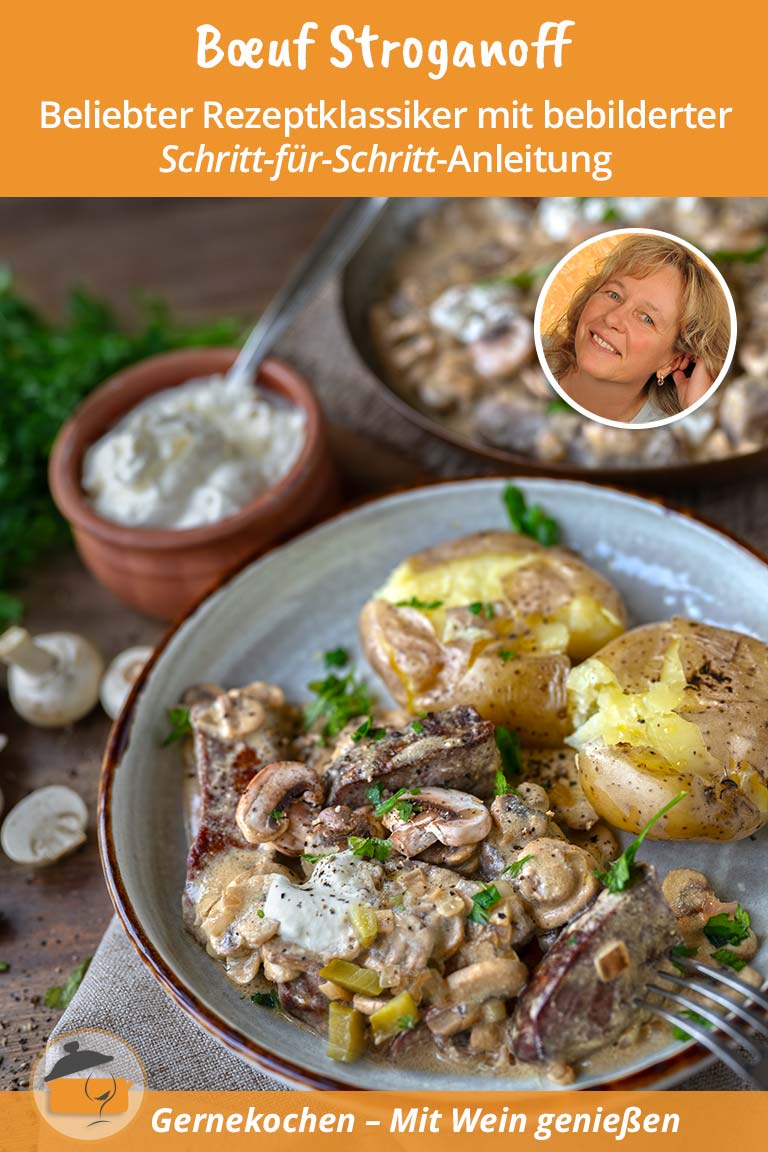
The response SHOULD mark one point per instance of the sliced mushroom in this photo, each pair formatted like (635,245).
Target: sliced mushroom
(518,817)
(120,677)
(236,714)
(277,806)
(46,825)
(453,818)
(557,882)
(53,679)
(499,978)
(600,841)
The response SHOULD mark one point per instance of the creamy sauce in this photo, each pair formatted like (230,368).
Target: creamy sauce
(315,915)
(192,455)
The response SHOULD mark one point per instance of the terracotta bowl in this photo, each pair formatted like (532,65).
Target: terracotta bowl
(162,572)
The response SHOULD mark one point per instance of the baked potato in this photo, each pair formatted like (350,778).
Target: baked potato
(491,620)
(672,707)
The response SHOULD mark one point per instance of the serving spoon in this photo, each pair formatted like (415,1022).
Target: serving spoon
(344,233)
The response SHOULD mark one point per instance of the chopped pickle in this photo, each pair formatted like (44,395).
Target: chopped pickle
(352,976)
(399,1015)
(365,923)
(346,1032)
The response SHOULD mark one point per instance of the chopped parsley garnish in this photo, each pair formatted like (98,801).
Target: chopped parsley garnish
(729,959)
(422,605)
(681,950)
(260,913)
(724,929)
(558,406)
(417,727)
(502,786)
(277,814)
(508,744)
(373,793)
(336,658)
(339,700)
(370,847)
(181,726)
(62,995)
(313,857)
(405,1023)
(529,520)
(620,873)
(571,942)
(507,654)
(405,809)
(516,867)
(487,897)
(384,806)
(366,731)
(679,1034)
(478,606)
(4,966)
(266,999)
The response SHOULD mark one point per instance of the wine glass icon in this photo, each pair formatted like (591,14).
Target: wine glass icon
(103,1098)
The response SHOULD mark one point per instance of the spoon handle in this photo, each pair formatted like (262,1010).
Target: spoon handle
(338,240)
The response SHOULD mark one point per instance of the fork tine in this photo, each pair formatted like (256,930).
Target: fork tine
(717,1048)
(755,1022)
(723,1025)
(719,975)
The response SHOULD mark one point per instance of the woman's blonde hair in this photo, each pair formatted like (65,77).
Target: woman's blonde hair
(705,326)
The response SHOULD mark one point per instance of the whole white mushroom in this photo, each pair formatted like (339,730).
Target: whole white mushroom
(120,677)
(47,824)
(54,678)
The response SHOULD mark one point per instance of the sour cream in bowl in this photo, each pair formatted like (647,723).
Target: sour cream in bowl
(171,476)
(193,455)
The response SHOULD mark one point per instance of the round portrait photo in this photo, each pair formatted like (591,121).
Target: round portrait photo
(635,328)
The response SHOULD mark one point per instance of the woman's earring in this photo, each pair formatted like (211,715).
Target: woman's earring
(660,378)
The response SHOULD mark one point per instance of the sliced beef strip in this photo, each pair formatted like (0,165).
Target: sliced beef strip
(225,767)
(450,749)
(573,1004)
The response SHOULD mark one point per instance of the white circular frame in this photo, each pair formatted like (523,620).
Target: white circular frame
(540,345)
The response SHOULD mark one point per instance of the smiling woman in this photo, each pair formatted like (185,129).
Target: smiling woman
(645,336)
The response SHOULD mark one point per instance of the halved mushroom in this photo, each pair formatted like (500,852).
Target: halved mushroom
(120,677)
(278,806)
(556,881)
(437,814)
(47,824)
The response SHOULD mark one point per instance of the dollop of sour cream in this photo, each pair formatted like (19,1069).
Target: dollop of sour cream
(315,915)
(192,455)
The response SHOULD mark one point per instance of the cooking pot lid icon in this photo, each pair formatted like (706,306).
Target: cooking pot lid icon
(76,1060)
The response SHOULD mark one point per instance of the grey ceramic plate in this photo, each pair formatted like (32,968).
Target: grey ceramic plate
(274,620)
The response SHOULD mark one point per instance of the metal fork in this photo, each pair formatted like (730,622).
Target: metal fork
(743,1049)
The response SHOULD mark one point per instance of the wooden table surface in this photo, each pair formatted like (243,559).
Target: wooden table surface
(206,258)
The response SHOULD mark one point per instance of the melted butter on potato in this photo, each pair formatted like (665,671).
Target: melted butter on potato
(671,707)
(535,610)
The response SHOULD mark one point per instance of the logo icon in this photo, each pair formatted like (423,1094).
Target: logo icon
(88,1084)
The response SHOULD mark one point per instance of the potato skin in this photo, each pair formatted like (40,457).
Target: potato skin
(500,664)
(726,699)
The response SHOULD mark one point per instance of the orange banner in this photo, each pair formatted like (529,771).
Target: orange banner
(345,1122)
(186,98)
